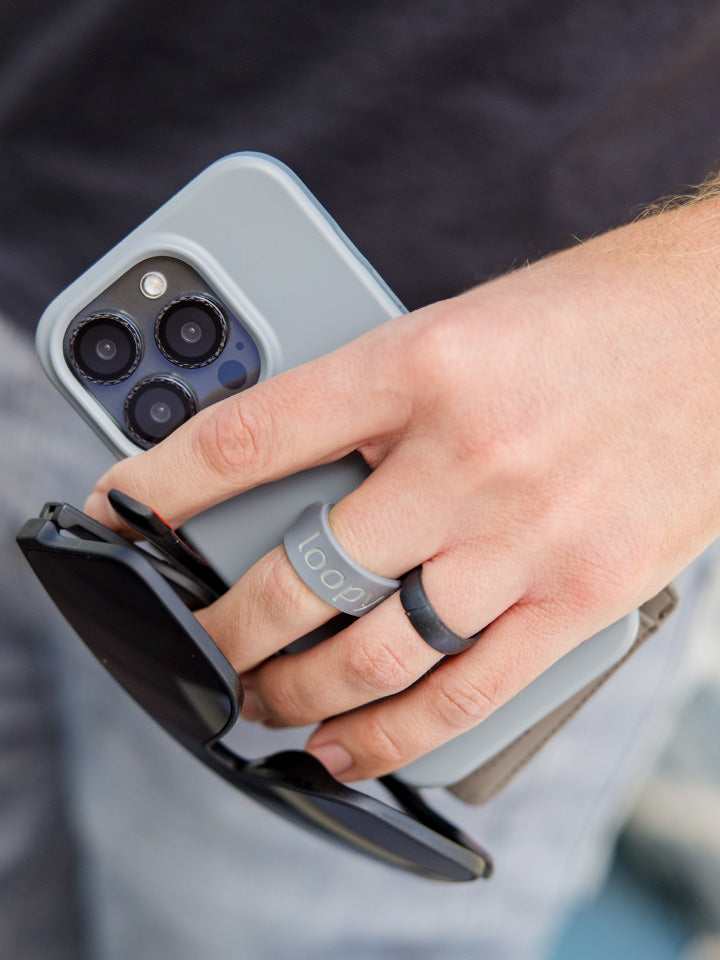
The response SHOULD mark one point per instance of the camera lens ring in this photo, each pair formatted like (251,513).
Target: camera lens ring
(138,419)
(213,345)
(115,321)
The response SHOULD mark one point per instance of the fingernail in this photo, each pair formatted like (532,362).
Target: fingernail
(333,757)
(253,708)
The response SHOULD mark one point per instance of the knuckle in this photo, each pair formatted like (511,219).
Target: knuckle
(378,666)
(464,705)
(498,438)
(609,573)
(437,344)
(285,706)
(234,438)
(278,589)
(382,751)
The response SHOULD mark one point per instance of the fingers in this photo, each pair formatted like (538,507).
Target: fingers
(377,524)
(312,414)
(377,655)
(459,694)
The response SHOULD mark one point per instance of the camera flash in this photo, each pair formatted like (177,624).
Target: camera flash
(153,285)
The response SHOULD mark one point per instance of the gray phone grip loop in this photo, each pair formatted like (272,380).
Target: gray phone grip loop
(330,572)
(424,619)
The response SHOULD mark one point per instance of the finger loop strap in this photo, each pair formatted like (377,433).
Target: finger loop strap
(424,619)
(330,572)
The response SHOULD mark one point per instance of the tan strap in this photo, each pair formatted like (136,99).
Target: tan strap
(483,783)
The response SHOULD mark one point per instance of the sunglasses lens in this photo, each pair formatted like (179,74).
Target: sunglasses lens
(147,639)
(382,832)
(391,844)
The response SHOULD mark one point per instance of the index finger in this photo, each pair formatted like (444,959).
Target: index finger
(312,414)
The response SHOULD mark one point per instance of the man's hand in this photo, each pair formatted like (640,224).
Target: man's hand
(547,445)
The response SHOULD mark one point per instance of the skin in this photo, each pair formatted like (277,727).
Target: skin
(547,445)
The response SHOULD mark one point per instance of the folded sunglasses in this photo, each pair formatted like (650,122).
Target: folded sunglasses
(131,603)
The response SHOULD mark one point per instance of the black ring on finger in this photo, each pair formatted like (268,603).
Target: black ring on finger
(424,619)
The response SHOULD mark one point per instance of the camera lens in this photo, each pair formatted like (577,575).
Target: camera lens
(191,331)
(156,407)
(105,348)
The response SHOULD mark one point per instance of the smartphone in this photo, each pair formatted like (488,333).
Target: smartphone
(239,276)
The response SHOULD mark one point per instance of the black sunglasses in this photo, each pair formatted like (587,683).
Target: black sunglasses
(132,606)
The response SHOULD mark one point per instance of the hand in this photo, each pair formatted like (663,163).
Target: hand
(547,445)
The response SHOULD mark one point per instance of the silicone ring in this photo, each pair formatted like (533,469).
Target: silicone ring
(330,572)
(424,619)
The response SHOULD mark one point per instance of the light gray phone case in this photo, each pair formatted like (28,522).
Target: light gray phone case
(253,231)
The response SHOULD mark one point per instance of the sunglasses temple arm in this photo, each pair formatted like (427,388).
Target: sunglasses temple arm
(155,530)
(411,801)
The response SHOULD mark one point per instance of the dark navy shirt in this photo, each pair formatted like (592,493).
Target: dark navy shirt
(450,140)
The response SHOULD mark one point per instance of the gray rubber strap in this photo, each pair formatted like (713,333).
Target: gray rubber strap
(424,619)
(330,572)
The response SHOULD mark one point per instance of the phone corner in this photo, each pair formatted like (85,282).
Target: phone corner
(43,342)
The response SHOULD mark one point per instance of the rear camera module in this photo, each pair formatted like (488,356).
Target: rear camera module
(191,331)
(105,348)
(157,406)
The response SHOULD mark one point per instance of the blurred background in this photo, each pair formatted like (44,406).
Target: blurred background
(661,900)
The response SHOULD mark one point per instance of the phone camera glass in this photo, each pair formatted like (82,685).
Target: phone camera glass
(105,348)
(191,331)
(156,407)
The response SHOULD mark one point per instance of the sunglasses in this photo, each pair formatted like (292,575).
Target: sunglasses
(131,604)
